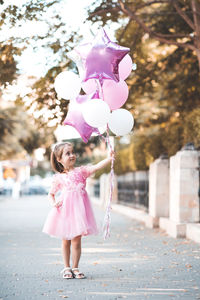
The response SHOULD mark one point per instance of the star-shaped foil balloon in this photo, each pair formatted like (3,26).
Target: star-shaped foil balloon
(75,118)
(101,58)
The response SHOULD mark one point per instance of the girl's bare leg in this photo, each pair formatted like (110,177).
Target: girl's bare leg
(76,250)
(76,254)
(66,252)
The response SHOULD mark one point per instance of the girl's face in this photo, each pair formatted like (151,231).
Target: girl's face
(68,158)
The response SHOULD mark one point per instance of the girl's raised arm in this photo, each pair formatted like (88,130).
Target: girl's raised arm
(102,164)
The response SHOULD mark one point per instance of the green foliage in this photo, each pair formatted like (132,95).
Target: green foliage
(43,96)
(192,127)
(12,128)
(14,16)
(124,160)
(31,10)
(173,138)
(164,88)
(8,66)
(95,160)
(111,15)
(148,145)
(20,134)
(42,169)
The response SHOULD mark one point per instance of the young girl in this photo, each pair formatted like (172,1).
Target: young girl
(71,216)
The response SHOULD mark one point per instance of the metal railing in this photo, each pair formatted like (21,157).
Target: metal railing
(97,189)
(133,189)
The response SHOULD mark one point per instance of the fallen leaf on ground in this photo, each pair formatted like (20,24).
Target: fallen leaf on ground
(188,266)
(175,250)
(183,243)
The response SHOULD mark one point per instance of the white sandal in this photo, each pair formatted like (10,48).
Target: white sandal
(67,273)
(77,274)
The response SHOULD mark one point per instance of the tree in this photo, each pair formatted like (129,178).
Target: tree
(18,136)
(187,11)
(8,66)
(12,44)
(164,87)
(57,39)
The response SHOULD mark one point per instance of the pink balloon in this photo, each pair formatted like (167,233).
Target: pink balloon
(89,86)
(125,67)
(101,58)
(115,93)
(75,118)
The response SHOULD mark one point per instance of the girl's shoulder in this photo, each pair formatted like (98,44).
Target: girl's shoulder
(79,169)
(86,170)
(58,176)
(76,169)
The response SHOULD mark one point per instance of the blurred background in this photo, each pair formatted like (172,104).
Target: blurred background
(164,86)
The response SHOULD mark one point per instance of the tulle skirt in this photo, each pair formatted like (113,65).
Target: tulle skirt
(75,217)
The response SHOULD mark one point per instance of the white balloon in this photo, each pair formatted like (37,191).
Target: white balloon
(96,112)
(66,132)
(101,129)
(121,121)
(67,85)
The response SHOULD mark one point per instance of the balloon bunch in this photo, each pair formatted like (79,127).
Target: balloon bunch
(103,66)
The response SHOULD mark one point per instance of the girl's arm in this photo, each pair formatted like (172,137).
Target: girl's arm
(55,186)
(51,198)
(103,163)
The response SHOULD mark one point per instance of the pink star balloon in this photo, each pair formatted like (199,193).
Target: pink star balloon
(75,118)
(101,58)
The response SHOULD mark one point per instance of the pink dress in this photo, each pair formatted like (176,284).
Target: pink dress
(75,216)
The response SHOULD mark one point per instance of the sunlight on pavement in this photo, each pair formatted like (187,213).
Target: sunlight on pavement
(124,294)
(101,250)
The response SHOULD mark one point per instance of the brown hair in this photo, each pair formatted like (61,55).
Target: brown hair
(57,154)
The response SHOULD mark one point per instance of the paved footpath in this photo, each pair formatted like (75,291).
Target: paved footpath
(134,263)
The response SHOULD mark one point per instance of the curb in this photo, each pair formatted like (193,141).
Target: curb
(191,232)
(130,212)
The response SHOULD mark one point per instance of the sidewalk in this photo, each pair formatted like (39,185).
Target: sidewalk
(134,263)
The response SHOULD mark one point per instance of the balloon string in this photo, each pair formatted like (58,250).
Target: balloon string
(107,217)
(99,83)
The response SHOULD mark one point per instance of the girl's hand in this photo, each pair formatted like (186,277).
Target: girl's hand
(51,199)
(58,204)
(112,154)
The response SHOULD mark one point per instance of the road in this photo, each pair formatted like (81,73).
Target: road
(134,263)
